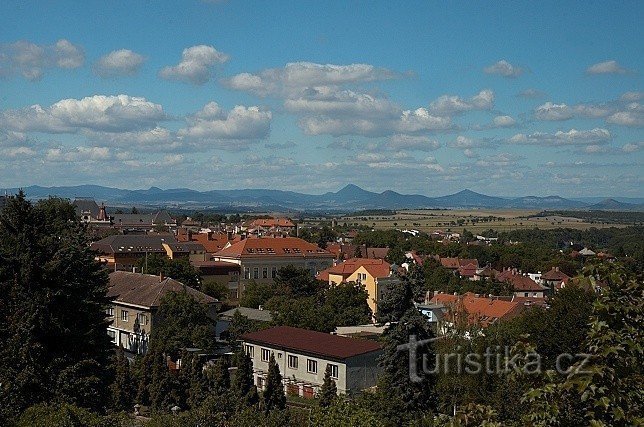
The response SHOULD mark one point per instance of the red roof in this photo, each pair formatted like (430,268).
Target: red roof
(454,263)
(311,342)
(520,282)
(272,247)
(555,275)
(376,267)
(480,309)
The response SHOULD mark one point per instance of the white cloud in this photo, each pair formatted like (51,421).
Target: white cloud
(632,96)
(95,113)
(470,154)
(504,68)
(412,142)
(449,105)
(551,111)
(172,159)
(499,160)
(531,94)
(504,121)
(291,80)
(212,123)
(78,154)
(594,136)
(326,101)
(631,115)
(30,60)
(464,142)
(121,62)
(632,147)
(195,66)
(606,67)
(18,152)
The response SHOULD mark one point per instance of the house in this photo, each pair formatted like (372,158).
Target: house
(256,315)
(302,357)
(477,310)
(192,251)
(226,273)
(260,258)
(135,300)
(555,278)
(143,221)
(211,241)
(522,284)
(124,251)
(586,252)
(271,227)
(346,251)
(374,274)
(456,263)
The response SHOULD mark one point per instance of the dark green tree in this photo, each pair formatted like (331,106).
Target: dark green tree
(329,390)
(348,304)
(273,397)
(122,387)
(395,302)
(52,309)
(242,385)
(218,377)
(178,269)
(297,282)
(182,322)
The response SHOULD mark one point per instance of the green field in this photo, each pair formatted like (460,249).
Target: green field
(474,220)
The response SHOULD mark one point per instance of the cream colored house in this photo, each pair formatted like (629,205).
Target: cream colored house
(303,356)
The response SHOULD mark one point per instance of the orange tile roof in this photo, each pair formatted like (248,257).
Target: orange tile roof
(272,247)
(555,274)
(211,242)
(376,267)
(480,309)
(455,263)
(519,282)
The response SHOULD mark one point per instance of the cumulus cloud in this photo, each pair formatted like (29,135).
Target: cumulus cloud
(281,146)
(632,96)
(212,123)
(294,78)
(503,121)
(606,67)
(327,101)
(449,105)
(78,154)
(594,136)
(157,139)
(499,160)
(412,142)
(122,62)
(631,115)
(195,66)
(632,147)
(94,113)
(504,68)
(30,60)
(558,112)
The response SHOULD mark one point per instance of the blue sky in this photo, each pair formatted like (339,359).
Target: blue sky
(504,98)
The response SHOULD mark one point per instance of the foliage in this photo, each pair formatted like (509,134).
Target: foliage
(215,289)
(122,387)
(329,391)
(397,301)
(273,397)
(242,385)
(52,310)
(178,269)
(182,322)
(344,413)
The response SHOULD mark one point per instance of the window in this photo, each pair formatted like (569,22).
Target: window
(246,273)
(274,272)
(109,311)
(266,354)
(292,361)
(256,273)
(250,350)
(142,319)
(265,273)
(112,335)
(334,371)
(124,315)
(312,366)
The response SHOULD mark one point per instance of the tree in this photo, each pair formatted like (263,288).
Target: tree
(178,269)
(395,302)
(405,390)
(256,294)
(121,388)
(348,304)
(357,253)
(328,391)
(273,397)
(162,388)
(242,384)
(52,309)
(134,210)
(182,322)
(218,377)
(297,282)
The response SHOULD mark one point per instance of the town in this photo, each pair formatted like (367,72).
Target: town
(247,317)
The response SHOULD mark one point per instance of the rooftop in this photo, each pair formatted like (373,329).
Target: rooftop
(122,243)
(377,268)
(311,342)
(272,247)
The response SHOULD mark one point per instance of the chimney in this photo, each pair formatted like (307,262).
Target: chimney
(161,277)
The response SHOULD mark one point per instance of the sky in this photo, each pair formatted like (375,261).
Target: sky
(505,98)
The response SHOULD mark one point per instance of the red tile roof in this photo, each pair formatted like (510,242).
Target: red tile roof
(376,267)
(272,247)
(520,282)
(480,309)
(311,342)
(555,274)
(454,263)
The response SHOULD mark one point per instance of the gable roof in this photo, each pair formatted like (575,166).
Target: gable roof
(86,205)
(272,247)
(454,263)
(519,282)
(555,275)
(147,290)
(123,243)
(480,309)
(377,268)
(312,342)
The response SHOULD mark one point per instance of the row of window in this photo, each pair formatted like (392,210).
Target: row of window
(140,317)
(256,272)
(292,361)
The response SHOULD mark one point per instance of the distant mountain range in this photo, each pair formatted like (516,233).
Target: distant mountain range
(349,198)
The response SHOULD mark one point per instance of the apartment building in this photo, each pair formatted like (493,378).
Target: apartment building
(303,356)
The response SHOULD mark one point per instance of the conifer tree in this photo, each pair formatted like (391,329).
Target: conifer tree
(218,377)
(52,309)
(274,397)
(329,390)
(242,383)
(121,388)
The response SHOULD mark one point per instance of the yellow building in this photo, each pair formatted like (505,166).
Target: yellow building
(374,274)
